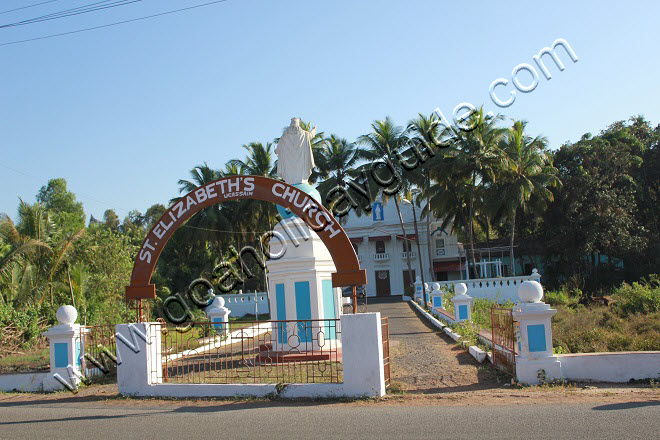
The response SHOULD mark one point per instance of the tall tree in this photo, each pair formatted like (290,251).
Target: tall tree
(68,213)
(473,159)
(384,142)
(335,162)
(527,171)
(427,132)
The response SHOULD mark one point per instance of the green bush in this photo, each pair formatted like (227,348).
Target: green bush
(556,298)
(642,297)
(21,328)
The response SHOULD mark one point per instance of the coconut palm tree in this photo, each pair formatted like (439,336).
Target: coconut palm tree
(473,159)
(200,175)
(527,172)
(335,161)
(385,140)
(259,161)
(15,265)
(427,132)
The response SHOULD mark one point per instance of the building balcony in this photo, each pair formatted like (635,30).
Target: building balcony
(406,255)
(384,256)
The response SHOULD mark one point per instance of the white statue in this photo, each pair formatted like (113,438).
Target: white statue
(295,160)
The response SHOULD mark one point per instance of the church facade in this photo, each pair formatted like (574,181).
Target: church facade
(384,253)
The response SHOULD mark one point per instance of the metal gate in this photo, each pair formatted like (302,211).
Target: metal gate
(504,339)
(385,330)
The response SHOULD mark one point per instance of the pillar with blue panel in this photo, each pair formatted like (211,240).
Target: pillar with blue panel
(218,315)
(66,349)
(436,297)
(302,301)
(419,289)
(462,303)
(535,360)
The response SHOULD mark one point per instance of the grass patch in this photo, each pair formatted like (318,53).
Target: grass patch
(631,321)
(598,328)
(37,359)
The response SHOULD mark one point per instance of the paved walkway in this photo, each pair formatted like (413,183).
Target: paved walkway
(424,359)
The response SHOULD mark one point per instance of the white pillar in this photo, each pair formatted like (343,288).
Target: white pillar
(139,356)
(535,362)
(436,297)
(418,289)
(462,303)
(65,350)
(362,355)
(219,315)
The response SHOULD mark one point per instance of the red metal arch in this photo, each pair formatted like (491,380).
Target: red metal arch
(246,187)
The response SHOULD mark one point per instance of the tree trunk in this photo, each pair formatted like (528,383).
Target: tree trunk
(428,228)
(403,231)
(68,274)
(471,226)
(513,229)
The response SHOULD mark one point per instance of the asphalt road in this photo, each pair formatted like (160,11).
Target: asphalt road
(97,420)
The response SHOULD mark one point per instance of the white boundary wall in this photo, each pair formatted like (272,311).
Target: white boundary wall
(501,289)
(23,381)
(610,367)
(246,303)
(362,357)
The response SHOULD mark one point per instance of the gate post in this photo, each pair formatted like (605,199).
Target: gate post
(66,349)
(362,352)
(535,362)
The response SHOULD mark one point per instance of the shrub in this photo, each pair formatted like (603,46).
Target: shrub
(642,297)
(21,328)
(597,329)
(556,298)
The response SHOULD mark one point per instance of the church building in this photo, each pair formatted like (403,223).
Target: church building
(384,252)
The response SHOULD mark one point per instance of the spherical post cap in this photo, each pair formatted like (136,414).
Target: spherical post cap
(218,302)
(460,289)
(530,291)
(436,286)
(67,315)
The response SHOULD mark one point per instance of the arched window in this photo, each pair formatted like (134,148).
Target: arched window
(380,247)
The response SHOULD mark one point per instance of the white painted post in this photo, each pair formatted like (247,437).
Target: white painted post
(219,314)
(418,289)
(535,362)
(536,276)
(462,303)
(65,350)
(139,357)
(362,355)
(436,297)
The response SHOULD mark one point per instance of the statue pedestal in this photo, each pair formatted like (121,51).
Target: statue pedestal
(301,297)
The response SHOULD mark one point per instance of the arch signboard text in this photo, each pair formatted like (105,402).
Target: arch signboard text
(246,187)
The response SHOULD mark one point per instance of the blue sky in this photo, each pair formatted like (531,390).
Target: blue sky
(124,112)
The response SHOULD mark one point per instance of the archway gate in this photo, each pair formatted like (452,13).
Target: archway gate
(245,187)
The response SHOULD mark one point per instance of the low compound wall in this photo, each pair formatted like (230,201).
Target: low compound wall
(246,303)
(362,358)
(500,289)
(26,382)
(610,367)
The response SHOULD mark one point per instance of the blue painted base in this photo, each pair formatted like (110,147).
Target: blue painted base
(309,189)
